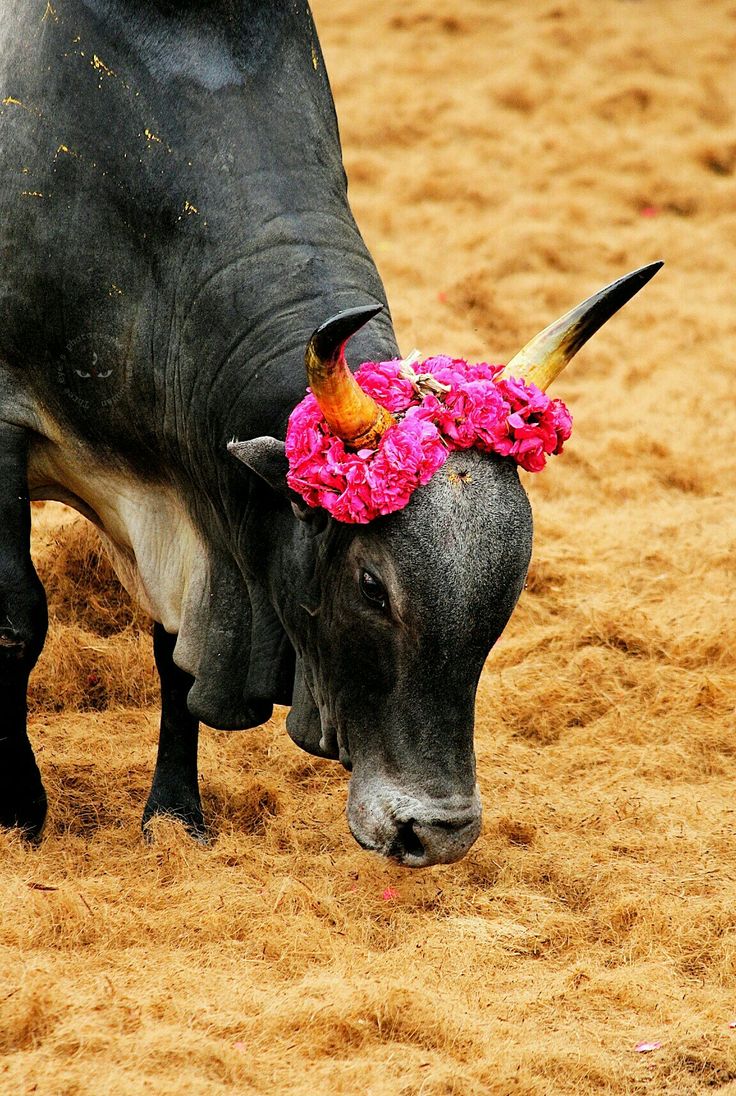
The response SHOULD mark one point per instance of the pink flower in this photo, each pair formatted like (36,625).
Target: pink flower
(476,415)
(409,455)
(381,380)
(562,421)
(538,426)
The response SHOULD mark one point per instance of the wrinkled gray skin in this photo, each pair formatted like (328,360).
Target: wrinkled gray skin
(174,225)
(390,692)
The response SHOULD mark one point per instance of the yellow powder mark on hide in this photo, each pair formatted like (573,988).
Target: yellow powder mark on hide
(10,100)
(153,139)
(67,151)
(315,59)
(50,13)
(459,479)
(100,66)
(189,208)
(31,194)
(114,290)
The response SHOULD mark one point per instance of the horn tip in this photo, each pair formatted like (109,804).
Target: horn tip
(649,269)
(349,318)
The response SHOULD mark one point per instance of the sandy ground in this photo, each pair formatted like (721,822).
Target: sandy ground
(505,161)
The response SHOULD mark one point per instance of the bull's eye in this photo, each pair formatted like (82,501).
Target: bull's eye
(373,590)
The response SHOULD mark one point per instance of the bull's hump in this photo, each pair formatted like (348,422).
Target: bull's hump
(213,45)
(163,106)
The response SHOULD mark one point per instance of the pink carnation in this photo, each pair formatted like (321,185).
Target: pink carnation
(475,414)
(481,410)
(538,426)
(381,380)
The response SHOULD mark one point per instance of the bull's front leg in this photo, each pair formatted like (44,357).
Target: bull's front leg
(175,789)
(23,624)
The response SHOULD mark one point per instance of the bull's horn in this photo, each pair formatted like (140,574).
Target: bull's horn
(350,412)
(548,353)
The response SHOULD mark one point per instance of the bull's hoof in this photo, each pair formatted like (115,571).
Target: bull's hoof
(184,809)
(23,800)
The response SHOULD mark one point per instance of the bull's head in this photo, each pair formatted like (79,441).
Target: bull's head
(392,621)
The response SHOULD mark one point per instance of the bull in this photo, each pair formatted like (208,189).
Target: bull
(174,227)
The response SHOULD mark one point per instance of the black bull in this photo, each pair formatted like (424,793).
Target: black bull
(174,224)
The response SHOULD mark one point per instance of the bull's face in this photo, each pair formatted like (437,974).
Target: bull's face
(392,621)
(390,652)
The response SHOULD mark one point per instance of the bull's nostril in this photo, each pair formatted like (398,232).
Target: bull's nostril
(406,842)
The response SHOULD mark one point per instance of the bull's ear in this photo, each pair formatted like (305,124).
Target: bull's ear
(267,458)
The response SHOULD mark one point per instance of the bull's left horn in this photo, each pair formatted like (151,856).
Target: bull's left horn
(351,413)
(548,353)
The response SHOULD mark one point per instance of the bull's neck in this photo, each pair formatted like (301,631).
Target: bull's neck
(269,381)
(245,322)
(240,363)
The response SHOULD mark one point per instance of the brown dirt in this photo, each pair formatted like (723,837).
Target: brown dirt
(505,161)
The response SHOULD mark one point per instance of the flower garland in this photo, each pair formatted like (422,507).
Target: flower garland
(450,405)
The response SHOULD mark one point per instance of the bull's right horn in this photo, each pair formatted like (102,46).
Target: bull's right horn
(548,353)
(351,413)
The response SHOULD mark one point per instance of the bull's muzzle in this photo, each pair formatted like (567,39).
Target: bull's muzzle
(413,830)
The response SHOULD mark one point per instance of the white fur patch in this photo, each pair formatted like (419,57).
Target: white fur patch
(157,554)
